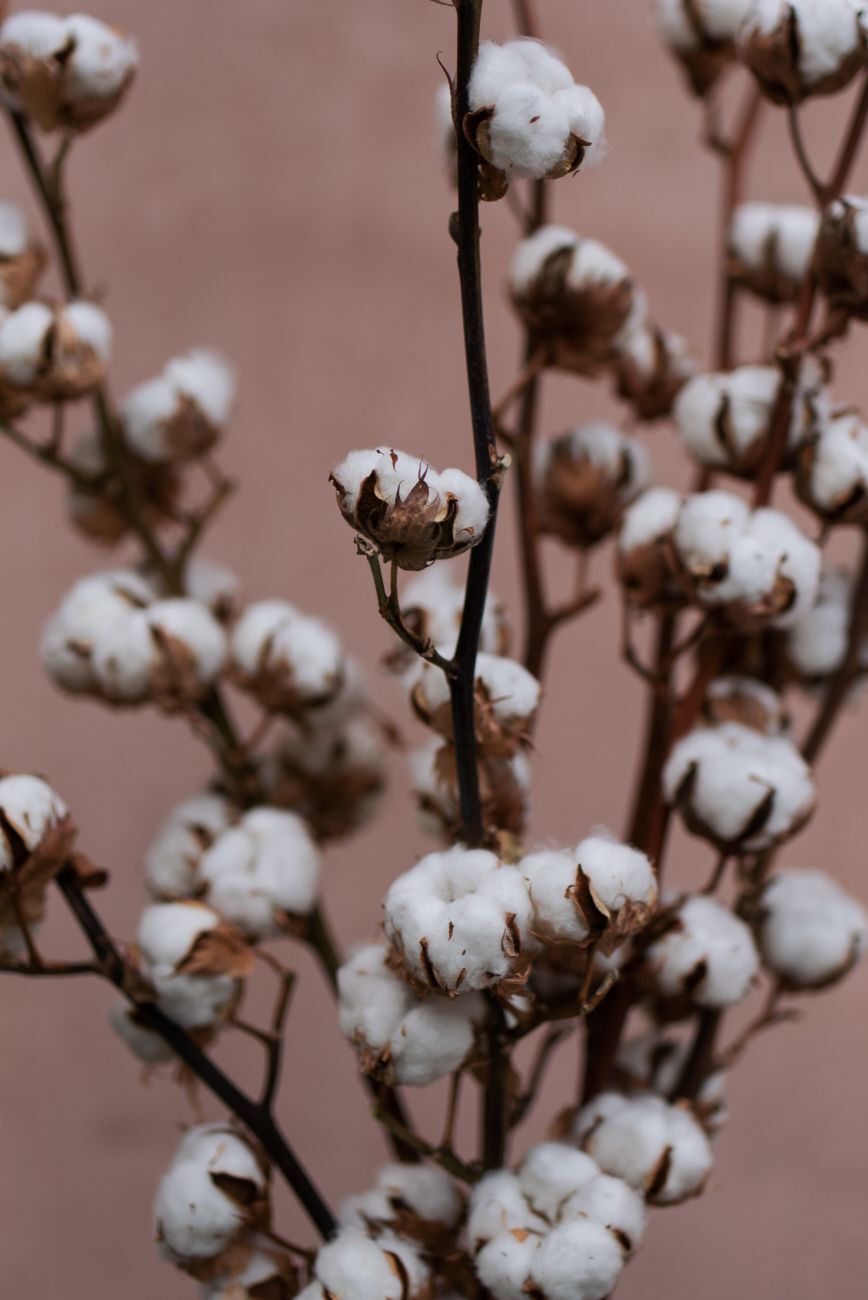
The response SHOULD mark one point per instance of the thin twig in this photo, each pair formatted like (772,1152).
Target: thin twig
(447,1160)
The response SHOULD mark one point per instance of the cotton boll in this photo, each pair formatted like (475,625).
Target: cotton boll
(810,930)
(586,478)
(551,878)
(740,789)
(432,605)
(204,378)
(709,955)
(22,343)
(798,48)
(701,34)
(144,1043)
(532,254)
(184,628)
(31,810)
(725,420)
(505,790)
(288,661)
(603,890)
(550,1173)
(434,1038)
(353,1266)
(172,860)
(842,257)
(798,564)
(261,872)
(498,1204)
(577,1259)
(832,476)
(168,931)
(102,60)
(414,1201)
(528,132)
(816,642)
(21,259)
(657,1148)
(169,935)
(621,879)
(181,413)
(505,1263)
(707,523)
(56,354)
(611,1203)
(644,553)
(771,247)
(91,608)
(507,699)
(652,365)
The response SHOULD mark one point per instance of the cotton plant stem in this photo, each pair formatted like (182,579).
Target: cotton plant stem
(254,1115)
(736,154)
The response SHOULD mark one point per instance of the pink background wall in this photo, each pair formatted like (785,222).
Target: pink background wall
(272,189)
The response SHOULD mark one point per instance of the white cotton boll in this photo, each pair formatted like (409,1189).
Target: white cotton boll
(618,874)
(786,233)
(172,860)
(193,1001)
(498,1204)
(528,132)
(262,870)
(101,62)
(550,873)
(34,32)
(718,21)
(710,942)
(22,342)
(195,1219)
(738,787)
(824,48)
(745,398)
(273,642)
(586,119)
(144,1043)
(511,691)
(193,627)
(473,508)
(372,998)
(837,465)
(87,612)
(798,560)
(550,1173)
(353,1267)
(145,412)
(31,809)
(817,640)
(434,1038)
(641,1139)
(205,378)
(168,931)
(91,326)
(425,1190)
(14,236)
(542,65)
(652,517)
(579,1260)
(437,602)
(496,67)
(504,1264)
(212,584)
(611,1203)
(707,524)
(810,930)
(261,1269)
(122,659)
(531,254)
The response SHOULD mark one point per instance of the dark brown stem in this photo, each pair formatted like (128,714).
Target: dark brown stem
(647,798)
(252,1114)
(700,1062)
(446,1159)
(495,1098)
(736,154)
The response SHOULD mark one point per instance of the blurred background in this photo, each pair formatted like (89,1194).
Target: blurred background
(273,188)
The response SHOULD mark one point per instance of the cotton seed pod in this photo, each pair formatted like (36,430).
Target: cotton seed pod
(213,1194)
(527,116)
(654,1063)
(193,960)
(54,354)
(811,932)
(816,644)
(262,874)
(331,776)
(585,478)
(576,299)
(832,470)
(504,784)
(707,956)
(181,413)
(170,653)
(747,701)
(753,568)
(172,860)
(842,256)
(577,1260)
(507,698)
(771,246)
(64,72)
(726,420)
(659,1149)
(743,791)
(399,1037)
(289,662)
(268,1275)
(599,894)
(354,1267)
(36,839)
(144,1043)
(800,48)
(644,558)
(418,1202)
(412,514)
(701,35)
(652,365)
(431,606)
(96,509)
(91,608)
(459,920)
(21,259)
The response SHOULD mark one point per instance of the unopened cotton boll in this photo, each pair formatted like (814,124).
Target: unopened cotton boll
(701,34)
(353,1267)
(644,555)
(289,662)
(771,246)
(181,413)
(811,932)
(585,479)
(659,1149)
(459,920)
(799,48)
(21,260)
(742,790)
(575,297)
(708,956)
(504,784)
(54,353)
(832,471)
(64,72)
(507,698)
(652,365)
(172,860)
(842,257)
(262,873)
(214,1192)
(398,1036)
(411,514)
(527,117)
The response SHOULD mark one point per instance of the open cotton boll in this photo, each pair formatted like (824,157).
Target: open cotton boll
(288,661)
(459,920)
(816,642)
(709,955)
(701,34)
(498,1204)
(398,1037)
(832,474)
(644,554)
(22,342)
(550,1173)
(797,48)
(707,524)
(31,810)
(602,890)
(659,1149)
(505,790)
(144,1043)
(507,697)
(204,378)
(180,413)
(91,607)
(262,873)
(190,630)
(353,1267)
(412,514)
(172,860)
(742,790)
(21,259)
(504,1264)
(527,132)
(771,246)
(192,961)
(611,1203)
(810,930)
(577,1260)
(168,931)
(725,419)
(267,1276)
(842,257)
(652,365)
(585,478)
(55,353)
(415,1201)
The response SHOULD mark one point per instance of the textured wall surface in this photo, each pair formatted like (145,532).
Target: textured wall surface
(272,189)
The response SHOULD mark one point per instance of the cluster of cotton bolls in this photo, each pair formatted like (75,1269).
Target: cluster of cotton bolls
(51,353)
(36,838)
(582,308)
